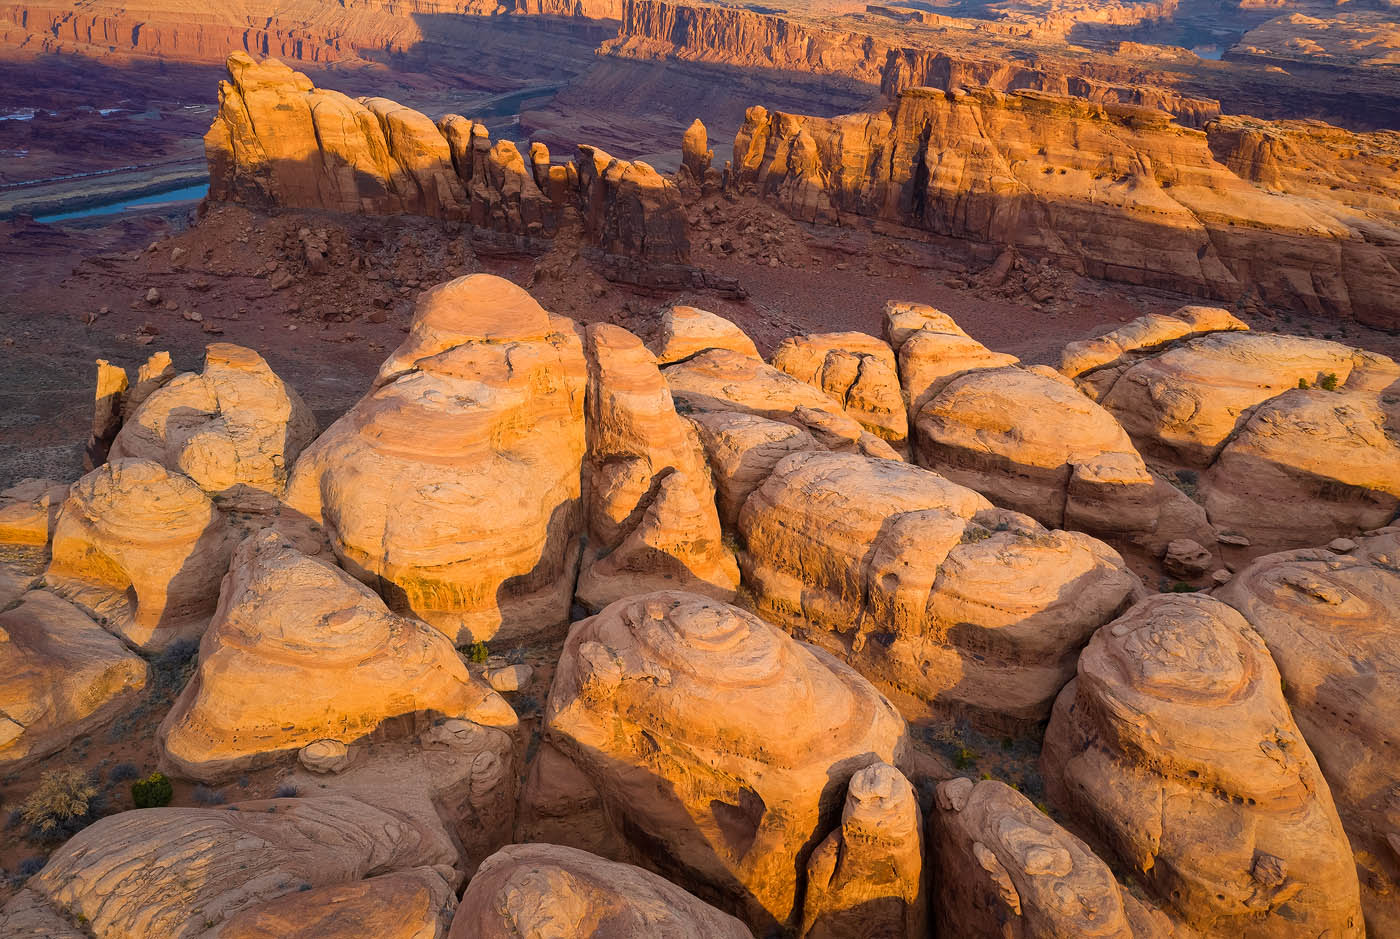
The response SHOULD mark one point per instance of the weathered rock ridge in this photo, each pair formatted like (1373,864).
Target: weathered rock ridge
(1115,192)
(279,141)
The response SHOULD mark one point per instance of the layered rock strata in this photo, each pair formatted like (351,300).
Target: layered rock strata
(279,141)
(666,704)
(476,423)
(64,676)
(272,862)
(1331,620)
(1175,735)
(1001,867)
(289,621)
(1028,440)
(952,606)
(1114,192)
(235,429)
(652,522)
(1262,424)
(551,890)
(142,550)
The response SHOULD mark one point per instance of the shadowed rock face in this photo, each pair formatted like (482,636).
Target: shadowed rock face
(1331,620)
(174,873)
(1115,192)
(867,877)
(1001,867)
(63,676)
(667,703)
(551,890)
(289,621)
(235,429)
(1174,736)
(943,600)
(453,487)
(142,550)
(652,523)
(1292,440)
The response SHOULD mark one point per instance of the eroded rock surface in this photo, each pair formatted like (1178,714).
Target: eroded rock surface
(257,862)
(858,372)
(1331,621)
(1174,751)
(1266,424)
(286,621)
(867,877)
(29,511)
(1001,867)
(551,890)
(945,601)
(141,549)
(686,330)
(652,522)
(63,676)
(667,704)
(453,487)
(235,429)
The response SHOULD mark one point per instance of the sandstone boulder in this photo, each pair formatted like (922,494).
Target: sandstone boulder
(29,510)
(932,350)
(1174,752)
(720,380)
(551,890)
(742,450)
(1002,868)
(948,604)
(453,487)
(1143,335)
(235,429)
(858,372)
(142,550)
(289,621)
(294,863)
(1262,424)
(64,676)
(652,522)
(412,904)
(667,703)
(695,151)
(1027,440)
(1331,620)
(686,330)
(867,877)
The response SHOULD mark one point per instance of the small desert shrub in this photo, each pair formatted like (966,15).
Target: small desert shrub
(478,653)
(123,772)
(285,791)
(153,792)
(1180,587)
(1303,384)
(63,804)
(965,757)
(27,869)
(206,796)
(1328,382)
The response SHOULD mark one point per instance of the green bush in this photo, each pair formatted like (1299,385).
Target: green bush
(153,792)
(1328,382)
(478,653)
(61,805)
(1303,384)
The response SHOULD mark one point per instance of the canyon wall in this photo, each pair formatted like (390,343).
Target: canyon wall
(1295,214)
(302,30)
(661,29)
